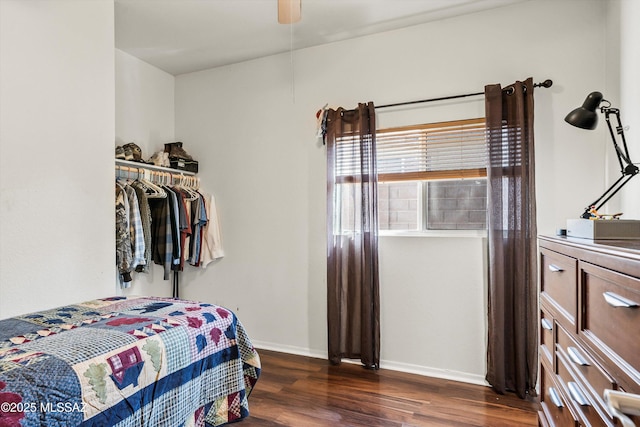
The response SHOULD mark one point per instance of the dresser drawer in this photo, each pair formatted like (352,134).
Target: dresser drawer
(547,335)
(553,403)
(592,377)
(590,413)
(559,284)
(610,321)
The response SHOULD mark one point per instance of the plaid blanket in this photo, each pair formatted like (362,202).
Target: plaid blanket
(126,361)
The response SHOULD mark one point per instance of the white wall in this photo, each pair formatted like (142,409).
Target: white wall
(622,89)
(432,307)
(630,97)
(144,115)
(56,184)
(252,127)
(144,104)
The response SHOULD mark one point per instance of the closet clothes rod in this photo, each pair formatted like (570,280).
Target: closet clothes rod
(160,174)
(138,165)
(546,84)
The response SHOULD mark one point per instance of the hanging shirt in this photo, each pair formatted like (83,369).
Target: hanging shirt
(124,254)
(174,225)
(199,221)
(187,240)
(135,228)
(145,216)
(162,239)
(212,237)
(184,226)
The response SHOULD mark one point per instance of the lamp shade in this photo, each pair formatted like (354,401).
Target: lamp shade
(585,117)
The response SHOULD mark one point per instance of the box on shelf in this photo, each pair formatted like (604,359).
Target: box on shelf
(184,165)
(604,229)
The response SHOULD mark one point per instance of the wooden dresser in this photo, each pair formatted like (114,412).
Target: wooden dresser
(589,328)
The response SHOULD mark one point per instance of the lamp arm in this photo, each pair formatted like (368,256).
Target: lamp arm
(608,194)
(620,131)
(627,168)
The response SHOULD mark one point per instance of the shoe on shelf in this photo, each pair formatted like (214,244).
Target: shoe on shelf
(175,150)
(136,152)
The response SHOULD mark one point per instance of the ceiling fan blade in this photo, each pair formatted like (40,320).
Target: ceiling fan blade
(289,11)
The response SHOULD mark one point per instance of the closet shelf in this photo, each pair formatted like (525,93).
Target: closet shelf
(138,165)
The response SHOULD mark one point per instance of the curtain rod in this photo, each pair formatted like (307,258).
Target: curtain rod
(546,84)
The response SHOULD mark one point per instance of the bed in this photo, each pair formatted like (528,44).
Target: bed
(126,361)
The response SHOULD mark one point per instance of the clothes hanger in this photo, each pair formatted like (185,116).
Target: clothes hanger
(124,176)
(153,191)
(183,184)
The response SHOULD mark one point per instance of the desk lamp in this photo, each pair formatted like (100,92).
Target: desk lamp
(585,117)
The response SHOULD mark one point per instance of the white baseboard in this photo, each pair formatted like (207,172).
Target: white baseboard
(384,364)
(427,371)
(300,351)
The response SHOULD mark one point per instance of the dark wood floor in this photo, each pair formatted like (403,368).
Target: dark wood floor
(305,392)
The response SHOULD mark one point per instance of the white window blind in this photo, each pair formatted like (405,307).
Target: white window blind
(445,150)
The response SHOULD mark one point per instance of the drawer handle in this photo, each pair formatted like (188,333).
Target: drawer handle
(546,324)
(555,398)
(577,395)
(622,404)
(555,268)
(576,357)
(616,300)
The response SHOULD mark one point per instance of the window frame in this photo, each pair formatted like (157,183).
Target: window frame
(421,214)
(424,176)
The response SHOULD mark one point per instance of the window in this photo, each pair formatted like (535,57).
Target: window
(432,177)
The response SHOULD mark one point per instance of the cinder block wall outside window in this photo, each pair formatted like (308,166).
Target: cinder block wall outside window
(398,206)
(457,205)
(450,205)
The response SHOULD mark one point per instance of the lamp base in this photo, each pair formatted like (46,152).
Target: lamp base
(603,229)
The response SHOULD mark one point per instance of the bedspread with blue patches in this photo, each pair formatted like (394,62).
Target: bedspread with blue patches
(126,361)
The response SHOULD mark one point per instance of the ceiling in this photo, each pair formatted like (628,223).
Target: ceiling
(182,36)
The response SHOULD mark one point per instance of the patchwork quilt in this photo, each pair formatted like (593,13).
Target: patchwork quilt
(126,361)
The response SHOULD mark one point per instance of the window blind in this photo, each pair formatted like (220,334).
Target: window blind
(445,150)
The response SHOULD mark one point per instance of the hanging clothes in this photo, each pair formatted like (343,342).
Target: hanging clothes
(199,220)
(161,236)
(212,237)
(166,225)
(184,225)
(174,213)
(135,228)
(124,254)
(145,216)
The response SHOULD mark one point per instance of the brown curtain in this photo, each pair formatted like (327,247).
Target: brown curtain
(513,310)
(353,301)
